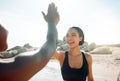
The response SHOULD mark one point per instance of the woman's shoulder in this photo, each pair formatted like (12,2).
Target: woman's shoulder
(61,52)
(88,57)
(59,55)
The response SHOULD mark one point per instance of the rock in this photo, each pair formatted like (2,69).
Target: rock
(16,50)
(61,45)
(22,50)
(92,46)
(60,42)
(27,46)
(63,48)
(84,47)
(8,54)
(101,50)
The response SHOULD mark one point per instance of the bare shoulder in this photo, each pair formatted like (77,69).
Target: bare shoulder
(62,54)
(59,55)
(88,57)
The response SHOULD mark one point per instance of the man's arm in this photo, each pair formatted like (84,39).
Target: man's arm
(28,66)
(3,38)
(24,67)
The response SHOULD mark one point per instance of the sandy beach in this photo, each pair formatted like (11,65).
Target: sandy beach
(105,68)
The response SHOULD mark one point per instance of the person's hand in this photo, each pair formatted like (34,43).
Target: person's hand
(52,14)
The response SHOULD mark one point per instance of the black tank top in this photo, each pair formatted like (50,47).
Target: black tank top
(72,74)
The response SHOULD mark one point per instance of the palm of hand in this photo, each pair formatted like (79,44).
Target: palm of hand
(52,14)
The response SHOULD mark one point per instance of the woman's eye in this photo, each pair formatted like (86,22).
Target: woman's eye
(73,35)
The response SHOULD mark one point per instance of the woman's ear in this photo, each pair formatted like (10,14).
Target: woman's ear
(80,38)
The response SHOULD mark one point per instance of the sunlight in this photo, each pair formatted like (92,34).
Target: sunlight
(61,4)
(99,21)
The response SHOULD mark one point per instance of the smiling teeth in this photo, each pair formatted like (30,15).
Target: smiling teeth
(70,42)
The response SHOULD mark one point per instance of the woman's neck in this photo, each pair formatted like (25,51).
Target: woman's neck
(75,51)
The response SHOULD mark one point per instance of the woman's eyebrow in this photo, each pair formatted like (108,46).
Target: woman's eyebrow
(73,33)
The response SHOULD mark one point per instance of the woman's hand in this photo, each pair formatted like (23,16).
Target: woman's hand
(52,14)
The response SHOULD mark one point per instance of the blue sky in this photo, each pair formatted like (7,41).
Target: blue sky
(99,19)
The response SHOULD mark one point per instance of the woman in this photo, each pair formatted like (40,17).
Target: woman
(75,65)
(24,67)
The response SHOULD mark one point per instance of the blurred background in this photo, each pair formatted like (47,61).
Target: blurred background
(99,19)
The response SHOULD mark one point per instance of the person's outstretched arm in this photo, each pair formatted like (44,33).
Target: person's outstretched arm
(3,38)
(24,67)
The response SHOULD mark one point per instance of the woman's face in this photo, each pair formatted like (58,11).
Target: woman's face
(73,38)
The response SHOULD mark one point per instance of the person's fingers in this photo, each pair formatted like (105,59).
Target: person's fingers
(52,13)
(44,16)
(49,8)
(52,5)
(58,16)
(52,8)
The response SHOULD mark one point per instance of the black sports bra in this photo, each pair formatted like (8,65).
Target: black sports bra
(72,74)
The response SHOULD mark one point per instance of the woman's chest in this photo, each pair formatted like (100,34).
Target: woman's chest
(75,62)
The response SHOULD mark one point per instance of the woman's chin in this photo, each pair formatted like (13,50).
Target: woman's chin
(71,47)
